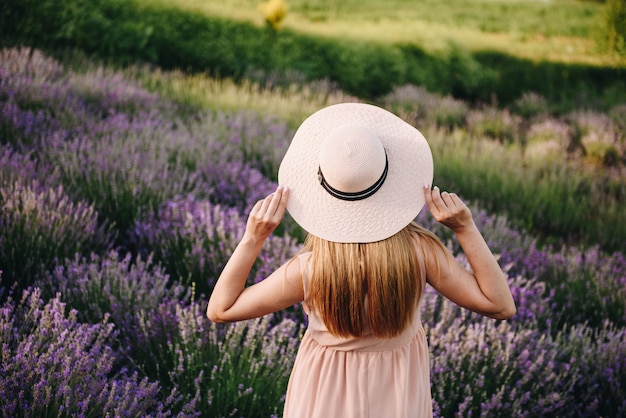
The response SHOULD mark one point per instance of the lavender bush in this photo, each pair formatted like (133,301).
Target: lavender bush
(258,142)
(123,173)
(16,166)
(488,369)
(530,105)
(40,225)
(240,369)
(600,355)
(118,287)
(126,150)
(193,239)
(29,62)
(52,365)
(584,284)
(493,123)
(482,367)
(236,185)
(418,106)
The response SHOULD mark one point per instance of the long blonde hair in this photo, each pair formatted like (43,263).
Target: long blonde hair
(374,288)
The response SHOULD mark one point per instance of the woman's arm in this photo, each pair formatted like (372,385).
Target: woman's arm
(231,300)
(485,289)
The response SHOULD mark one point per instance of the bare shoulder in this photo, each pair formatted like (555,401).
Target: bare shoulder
(432,253)
(296,268)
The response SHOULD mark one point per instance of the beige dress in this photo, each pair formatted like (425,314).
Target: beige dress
(365,377)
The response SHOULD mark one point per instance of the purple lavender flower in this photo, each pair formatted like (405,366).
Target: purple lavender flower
(193,240)
(38,226)
(236,184)
(16,166)
(51,362)
(246,364)
(122,288)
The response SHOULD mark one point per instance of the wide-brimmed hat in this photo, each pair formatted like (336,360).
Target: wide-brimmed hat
(355,173)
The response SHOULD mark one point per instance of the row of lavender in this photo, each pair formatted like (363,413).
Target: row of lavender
(118,210)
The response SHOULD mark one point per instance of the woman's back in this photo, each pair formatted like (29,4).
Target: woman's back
(359,376)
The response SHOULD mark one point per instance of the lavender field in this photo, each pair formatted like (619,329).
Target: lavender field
(118,209)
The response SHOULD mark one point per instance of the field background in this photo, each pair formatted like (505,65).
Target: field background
(563,31)
(566,50)
(135,135)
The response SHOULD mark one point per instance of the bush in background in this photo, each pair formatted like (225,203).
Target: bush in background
(421,108)
(122,288)
(193,240)
(482,367)
(615,25)
(126,32)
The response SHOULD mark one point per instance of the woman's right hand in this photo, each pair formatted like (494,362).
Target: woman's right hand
(484,289)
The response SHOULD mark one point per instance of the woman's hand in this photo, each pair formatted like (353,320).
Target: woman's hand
(448,209)
(484,289)
(266,215)
(230,299)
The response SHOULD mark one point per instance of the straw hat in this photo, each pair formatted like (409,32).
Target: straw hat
(355,173)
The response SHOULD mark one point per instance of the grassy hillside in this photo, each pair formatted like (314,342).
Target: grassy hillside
(561,31)
(366,49)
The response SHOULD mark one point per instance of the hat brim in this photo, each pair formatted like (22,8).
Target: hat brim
(381,215)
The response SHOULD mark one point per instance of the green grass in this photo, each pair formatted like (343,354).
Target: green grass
(554,200)
(293,104)
(366,49)
(561,30)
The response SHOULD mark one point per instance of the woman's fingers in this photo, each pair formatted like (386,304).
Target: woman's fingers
(267,213)
(435,202)
(256,208)
(269,204)
(447,208)
(284,198)
(277,204)
(451,202)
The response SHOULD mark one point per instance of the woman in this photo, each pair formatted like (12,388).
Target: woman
(355,177)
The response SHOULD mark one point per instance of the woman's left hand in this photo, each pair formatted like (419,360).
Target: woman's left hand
(231,300)
(266,214)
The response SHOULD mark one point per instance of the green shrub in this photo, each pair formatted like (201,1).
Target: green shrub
(530,105)
(615,25)
(79,23)
(565,85)
(469,78)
